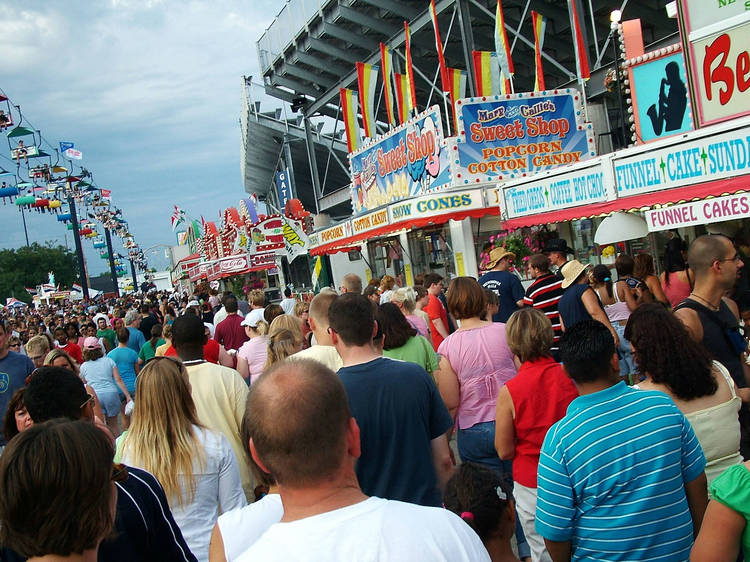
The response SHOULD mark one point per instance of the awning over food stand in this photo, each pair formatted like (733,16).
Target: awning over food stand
(433,209)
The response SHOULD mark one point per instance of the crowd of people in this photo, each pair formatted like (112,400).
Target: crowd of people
(595,414)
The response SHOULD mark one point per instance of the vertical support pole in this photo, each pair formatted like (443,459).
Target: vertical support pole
(135,277)
(313,163)
(289,167)
(467,43)
(112,270)
(25,231)
(79,248)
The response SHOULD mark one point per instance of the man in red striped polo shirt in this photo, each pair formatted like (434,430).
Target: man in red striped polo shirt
(544,293)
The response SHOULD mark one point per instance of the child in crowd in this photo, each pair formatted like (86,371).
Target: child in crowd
(477,495)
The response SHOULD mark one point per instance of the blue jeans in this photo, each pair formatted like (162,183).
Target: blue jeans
(627,361)
(477,444)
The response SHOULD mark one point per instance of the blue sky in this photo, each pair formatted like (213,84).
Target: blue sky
(148,90)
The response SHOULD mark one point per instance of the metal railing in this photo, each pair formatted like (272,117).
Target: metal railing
(291,20)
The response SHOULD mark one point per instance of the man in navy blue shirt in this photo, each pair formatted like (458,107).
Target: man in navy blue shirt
(402,419)
(14,368)
(503,283)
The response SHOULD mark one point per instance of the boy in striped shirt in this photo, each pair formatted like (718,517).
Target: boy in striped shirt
(621,475)
(545,294)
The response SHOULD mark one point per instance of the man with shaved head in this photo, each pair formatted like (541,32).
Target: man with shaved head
(713,319)
(351,283)
(301,432)
(323,350)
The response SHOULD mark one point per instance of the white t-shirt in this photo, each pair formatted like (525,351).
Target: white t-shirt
(371,530)
(326,354)
(217,488)
(240,528)
(288,305)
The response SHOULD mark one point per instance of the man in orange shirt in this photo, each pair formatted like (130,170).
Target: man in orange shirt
(435,309)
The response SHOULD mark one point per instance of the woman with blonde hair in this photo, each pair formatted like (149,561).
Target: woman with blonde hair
(527,406)
(195,466)
(284,339)
(405,299)
(387,283)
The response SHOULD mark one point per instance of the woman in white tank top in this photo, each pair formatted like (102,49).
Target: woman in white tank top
(702,389)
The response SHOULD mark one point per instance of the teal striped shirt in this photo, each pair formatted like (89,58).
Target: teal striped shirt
(612,477)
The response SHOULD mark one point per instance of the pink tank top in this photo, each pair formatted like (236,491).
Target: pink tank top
(677,290)
(619,309)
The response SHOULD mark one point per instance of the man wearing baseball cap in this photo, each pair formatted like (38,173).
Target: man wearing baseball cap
(503,283)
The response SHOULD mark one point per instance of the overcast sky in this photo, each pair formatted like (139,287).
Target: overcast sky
(148,90)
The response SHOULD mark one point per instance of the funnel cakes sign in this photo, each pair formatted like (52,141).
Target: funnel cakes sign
(408,161)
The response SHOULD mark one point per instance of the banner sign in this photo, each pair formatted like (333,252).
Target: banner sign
(503,137)
(370,221)
(437,204)
(262,261)
(296,241)
(700,14)
(699,212)
(661,105)
(687,162)
(408,161)
(73,154)
(572,189)
(720,66)
(283,188)
(197,272)
(27,151)
(66,145)
(267,235)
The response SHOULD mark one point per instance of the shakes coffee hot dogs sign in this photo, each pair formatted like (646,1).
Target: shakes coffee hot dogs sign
(504,137)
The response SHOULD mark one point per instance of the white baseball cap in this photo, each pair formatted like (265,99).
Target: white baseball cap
(253,317)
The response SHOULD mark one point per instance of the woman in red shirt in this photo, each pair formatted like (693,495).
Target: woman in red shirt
(527,406)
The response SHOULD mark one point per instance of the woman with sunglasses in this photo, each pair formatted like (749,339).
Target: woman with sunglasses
(196,466)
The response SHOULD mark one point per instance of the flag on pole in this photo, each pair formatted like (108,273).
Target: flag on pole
(106,193)
(178,216)
(411,90)
(349,115)
(444,78)
(403,105)
(457,84)
(539,23)
(66,145)
(387,71)
(582,54)
(316,271)
(367,78)
(502,46)
(486,73)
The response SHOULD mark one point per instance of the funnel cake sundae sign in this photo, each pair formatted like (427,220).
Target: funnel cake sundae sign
(511,136)
(408,161)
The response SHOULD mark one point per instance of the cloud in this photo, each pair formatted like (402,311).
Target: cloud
(148,90)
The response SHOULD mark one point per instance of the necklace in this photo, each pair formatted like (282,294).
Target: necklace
(708,303)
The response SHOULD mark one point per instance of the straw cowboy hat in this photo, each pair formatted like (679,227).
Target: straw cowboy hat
(497,254)
(571,271)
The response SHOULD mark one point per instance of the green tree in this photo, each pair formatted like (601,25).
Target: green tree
(30,266)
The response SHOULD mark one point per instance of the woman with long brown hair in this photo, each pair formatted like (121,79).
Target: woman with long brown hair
(195,466)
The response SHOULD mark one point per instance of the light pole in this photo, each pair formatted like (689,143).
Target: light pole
(77,238)
(614,19)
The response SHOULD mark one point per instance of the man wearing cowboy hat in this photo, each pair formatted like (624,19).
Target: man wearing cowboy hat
(557,251)
(503,283)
